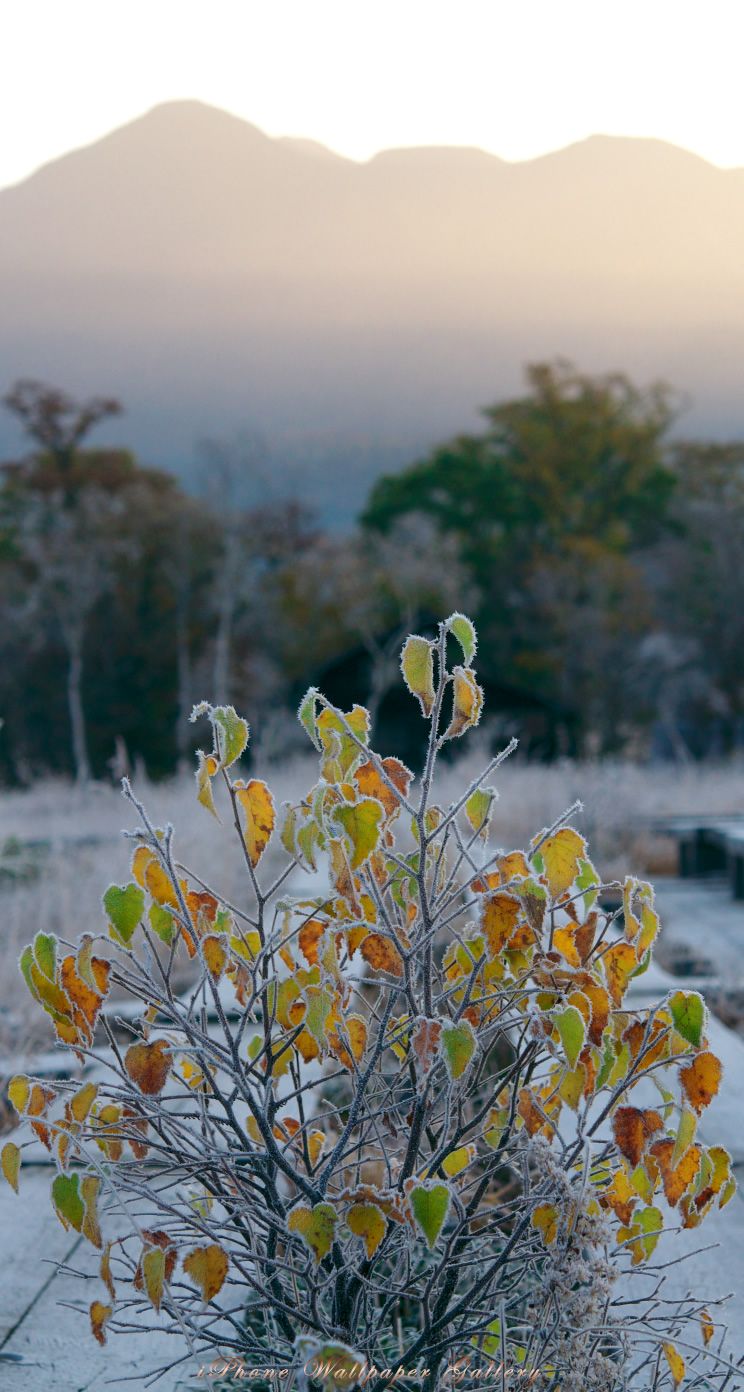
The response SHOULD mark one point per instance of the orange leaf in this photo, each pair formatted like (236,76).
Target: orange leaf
(513,867)
(85,1003)
(564,941)
(701,1080)
(207,1267)
(258,805)
(619,962)
(632,1128)
(371,784)
(678,1180)
(106,1276)
(308,938)
(500,913)
(148,1065)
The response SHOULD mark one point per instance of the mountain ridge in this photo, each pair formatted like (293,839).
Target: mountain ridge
(216,277)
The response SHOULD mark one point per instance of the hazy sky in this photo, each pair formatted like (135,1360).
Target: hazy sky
(517,77)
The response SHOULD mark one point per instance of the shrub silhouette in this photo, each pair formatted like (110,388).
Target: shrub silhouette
(400,1124)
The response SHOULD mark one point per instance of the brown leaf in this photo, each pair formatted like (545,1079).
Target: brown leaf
(381,955)
(632,1128)
(148,1066)
(425,1042)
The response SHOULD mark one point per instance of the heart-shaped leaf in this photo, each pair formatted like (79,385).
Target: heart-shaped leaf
(124,908)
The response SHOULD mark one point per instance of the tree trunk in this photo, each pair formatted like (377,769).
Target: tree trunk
(183,664)
(225,612)
(75,706)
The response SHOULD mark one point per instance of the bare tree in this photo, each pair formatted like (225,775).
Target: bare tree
(58,423)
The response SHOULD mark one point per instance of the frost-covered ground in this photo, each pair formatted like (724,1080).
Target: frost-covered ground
(60,847)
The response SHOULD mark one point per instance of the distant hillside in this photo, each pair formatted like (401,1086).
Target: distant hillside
(217,279)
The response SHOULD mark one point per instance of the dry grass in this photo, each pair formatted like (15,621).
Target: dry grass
(69,846)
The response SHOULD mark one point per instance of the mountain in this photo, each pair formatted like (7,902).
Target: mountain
(351,314)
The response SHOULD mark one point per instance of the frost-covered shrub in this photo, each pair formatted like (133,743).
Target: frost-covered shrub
(401,1126)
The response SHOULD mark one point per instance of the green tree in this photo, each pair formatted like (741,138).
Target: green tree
(569,481)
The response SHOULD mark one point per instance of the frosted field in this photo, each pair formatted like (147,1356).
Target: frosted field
(61,847)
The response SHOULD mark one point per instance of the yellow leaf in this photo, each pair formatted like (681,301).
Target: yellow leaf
(315,1226)
(561,855)
(458,1160)
(545,1219)
(106,1276)
(417,666)
(159,885)
(468,703)
(572,1086)
(258,805)
(207,1267)
(215,955)
(83,1100)
(356,1030)
(207,768)
(368,1222)
(676,1363)
(89,1186)
(315,1146)
(153,1272)
(99,1316)
(19,1091)
(10,1160)
(563,942)
(707,1326)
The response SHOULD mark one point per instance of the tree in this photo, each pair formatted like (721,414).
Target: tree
(56,422)
(572,470)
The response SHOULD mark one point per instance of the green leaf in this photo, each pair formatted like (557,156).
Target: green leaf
(306,715)
(465,635)
(688,1014)
(67,1201)
(430,1205)
(417,666)
(45,952)
(478,809)
(124,908)
(361,822)
(572,1030)
(458,1046)
(651,1223)
(231,734)
(161,922)
(27,960)
(319,1006)
(586,880)
(608,1063)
